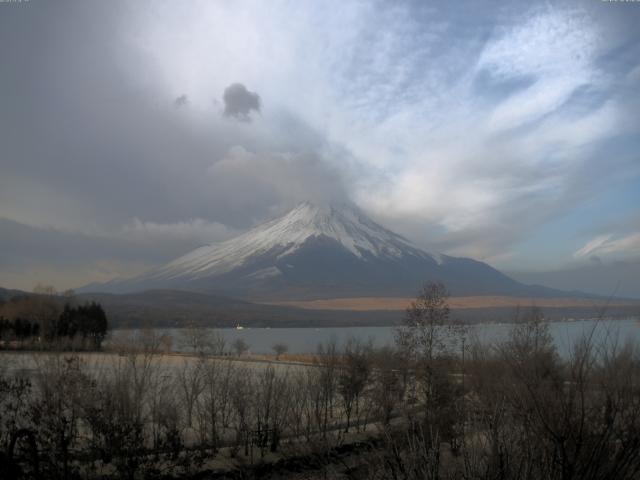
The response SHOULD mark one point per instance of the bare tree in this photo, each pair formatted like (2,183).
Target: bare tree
(214,405)
(57,409)
(326,383)
(353,377)
(428,338)
(201,340)
(241,391)
(240,347)
(191,384)
(387,389)
(217,342)
(270,406)
(428,329)
(299,420)
(280,349)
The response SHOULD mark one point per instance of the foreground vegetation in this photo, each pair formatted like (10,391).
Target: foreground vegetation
(439,405)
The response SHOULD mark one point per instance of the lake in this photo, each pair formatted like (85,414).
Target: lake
(306,340)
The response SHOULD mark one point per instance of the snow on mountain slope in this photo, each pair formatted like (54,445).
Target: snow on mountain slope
(318,252)
(347,226)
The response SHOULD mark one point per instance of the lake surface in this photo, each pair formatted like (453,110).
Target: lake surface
(306,340)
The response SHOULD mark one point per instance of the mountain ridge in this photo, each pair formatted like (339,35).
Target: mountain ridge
(320,252)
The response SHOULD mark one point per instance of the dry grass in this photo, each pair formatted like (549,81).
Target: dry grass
(401,303)
(285,357)
(29,362)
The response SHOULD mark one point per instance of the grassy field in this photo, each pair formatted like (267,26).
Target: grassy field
(363,304)
(30,363)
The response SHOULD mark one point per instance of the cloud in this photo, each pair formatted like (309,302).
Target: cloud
(617,277)
(555,48)
(240,102)
(178,236)
(593,245)
(279,179)
(519,141)
(181,101)
(82,258)
(610,246)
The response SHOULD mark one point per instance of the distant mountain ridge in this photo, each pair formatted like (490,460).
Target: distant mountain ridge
(320,252)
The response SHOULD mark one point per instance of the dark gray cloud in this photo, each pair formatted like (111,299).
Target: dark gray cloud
(69,259)
(240,102)
(137,241)
(181,101)
(21,245)
(31,255)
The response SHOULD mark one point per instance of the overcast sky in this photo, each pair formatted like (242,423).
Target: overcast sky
(132,132)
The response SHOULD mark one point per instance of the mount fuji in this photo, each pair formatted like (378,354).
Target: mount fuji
(320,252)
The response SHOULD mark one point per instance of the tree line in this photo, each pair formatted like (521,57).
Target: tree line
(42,320)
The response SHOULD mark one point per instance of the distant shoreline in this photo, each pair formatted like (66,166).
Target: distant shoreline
(365,304)
(620,317)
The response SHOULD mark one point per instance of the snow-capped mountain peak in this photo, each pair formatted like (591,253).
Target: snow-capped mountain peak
(318,251)
(343,224)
